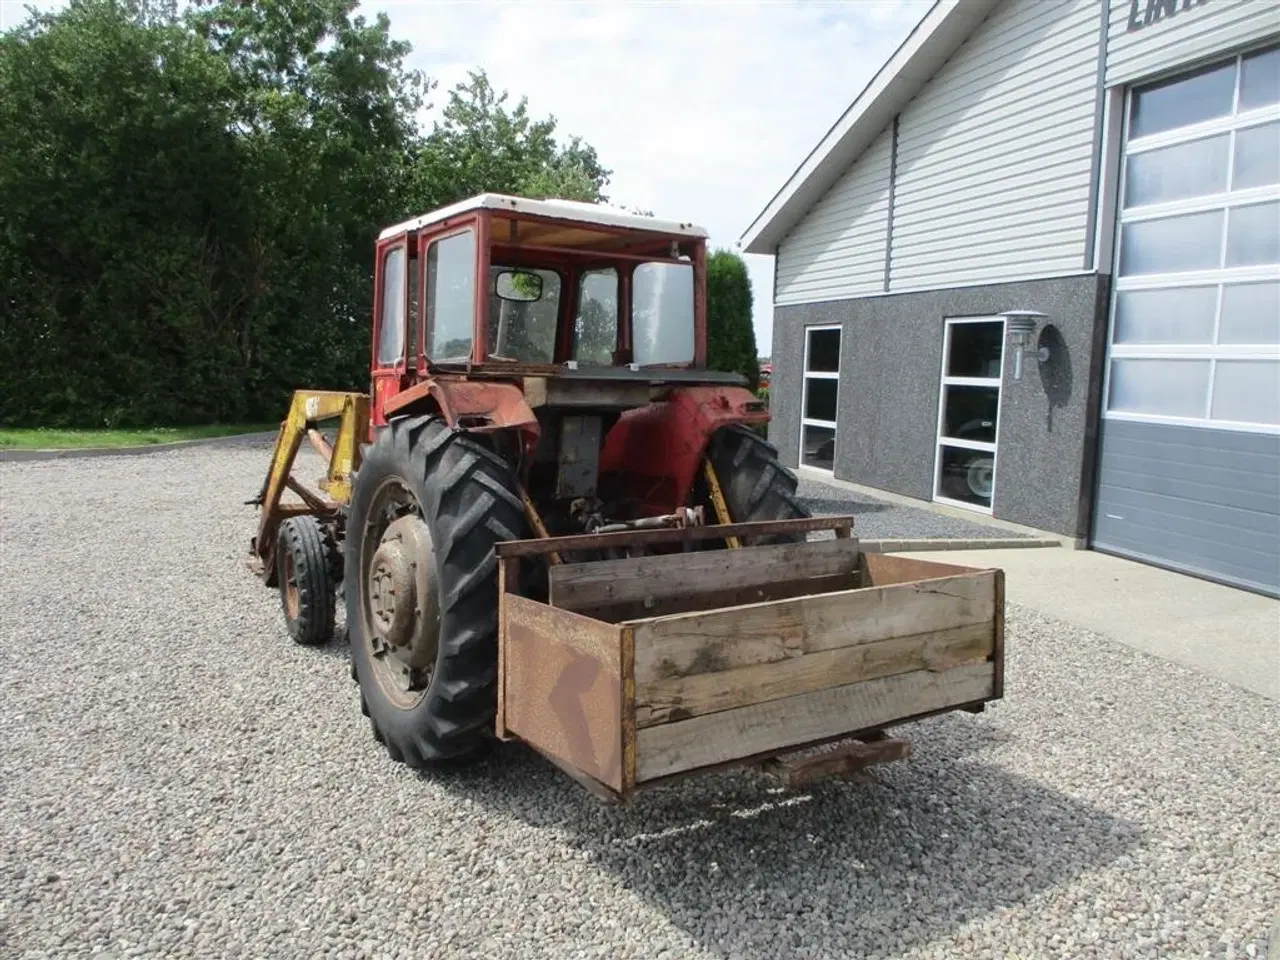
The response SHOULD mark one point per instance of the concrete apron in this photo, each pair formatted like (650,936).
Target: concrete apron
(1221,631)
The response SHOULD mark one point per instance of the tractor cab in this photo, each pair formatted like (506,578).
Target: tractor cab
(500,287)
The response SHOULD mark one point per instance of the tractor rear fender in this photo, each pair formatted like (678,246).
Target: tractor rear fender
(474,406)
(654,451)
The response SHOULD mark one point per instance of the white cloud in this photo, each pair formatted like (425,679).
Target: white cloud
(701,108)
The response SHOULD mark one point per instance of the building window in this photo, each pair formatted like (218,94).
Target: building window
(1195,321)
(820,397)
(969,412)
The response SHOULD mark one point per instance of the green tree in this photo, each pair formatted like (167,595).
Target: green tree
(189,200)
(731,336)
(479,145)
(120,184)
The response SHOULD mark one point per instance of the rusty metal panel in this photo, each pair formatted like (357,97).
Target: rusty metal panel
(562,686)
(579,457)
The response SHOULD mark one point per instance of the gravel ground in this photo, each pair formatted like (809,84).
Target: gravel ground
(177,780)
(884,520)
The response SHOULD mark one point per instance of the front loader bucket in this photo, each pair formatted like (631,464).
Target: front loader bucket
(643,669)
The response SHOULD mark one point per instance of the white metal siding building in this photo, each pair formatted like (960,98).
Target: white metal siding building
(1111,165)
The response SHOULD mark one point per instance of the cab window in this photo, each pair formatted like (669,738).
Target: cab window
(524,312)
(451,296)
(596,321)
(391,332)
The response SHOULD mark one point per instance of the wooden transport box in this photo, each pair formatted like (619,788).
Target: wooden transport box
(642,669)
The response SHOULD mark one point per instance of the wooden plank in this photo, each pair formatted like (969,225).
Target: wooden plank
(794,721)
(715,599)
(883,569)
(562,676)
(998,653)
(628,637)
(584,586)
(508,580)
(726,639)
(678,698)
(840,760)
(635,538)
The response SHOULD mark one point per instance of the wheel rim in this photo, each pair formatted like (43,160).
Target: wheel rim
(398,598)
(981,477)
(292,604)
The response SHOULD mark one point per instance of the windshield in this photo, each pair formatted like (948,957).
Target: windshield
(524,313)
(523,318)
(662,313)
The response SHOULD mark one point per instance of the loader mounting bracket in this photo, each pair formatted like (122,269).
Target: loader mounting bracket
(307,409)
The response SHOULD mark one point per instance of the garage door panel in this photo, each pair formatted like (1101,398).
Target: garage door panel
(1146,509)
(1216,447)
(1149,532)
(1169,555)
(1194,482)
(1213,522)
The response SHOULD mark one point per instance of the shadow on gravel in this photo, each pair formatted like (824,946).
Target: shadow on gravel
(867,869)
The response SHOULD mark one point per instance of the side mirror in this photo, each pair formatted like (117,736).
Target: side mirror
(518,285)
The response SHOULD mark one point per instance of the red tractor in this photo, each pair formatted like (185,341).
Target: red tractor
(541,426)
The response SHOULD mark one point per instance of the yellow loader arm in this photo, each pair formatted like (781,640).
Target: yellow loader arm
(307,409)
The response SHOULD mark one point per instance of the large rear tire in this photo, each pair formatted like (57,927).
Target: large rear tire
(755,484)
(427,669)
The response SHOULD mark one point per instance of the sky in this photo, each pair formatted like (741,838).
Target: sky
(701,109)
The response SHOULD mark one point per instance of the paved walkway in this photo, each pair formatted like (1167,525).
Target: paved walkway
(1224,632)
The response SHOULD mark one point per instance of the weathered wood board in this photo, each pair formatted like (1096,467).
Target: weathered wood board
(642,587)
(787,722)
(720,640)
(884,569)
(678,698)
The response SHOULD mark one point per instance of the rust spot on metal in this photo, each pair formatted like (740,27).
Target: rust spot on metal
(563,686)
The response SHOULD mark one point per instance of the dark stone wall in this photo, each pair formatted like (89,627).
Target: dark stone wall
(890,365)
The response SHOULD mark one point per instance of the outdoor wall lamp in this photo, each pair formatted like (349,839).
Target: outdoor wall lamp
(1022,325)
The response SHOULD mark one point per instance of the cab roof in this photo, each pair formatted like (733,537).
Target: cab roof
(589,213)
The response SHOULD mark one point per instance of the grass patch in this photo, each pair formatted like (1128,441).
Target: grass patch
(47,439)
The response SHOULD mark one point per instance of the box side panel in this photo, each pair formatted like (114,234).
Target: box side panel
(883,569)
(728,639)
(656,585)
(562,686)
(678,698)
(791,721)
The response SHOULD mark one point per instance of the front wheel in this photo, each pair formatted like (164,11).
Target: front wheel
(304,575)
(421,587)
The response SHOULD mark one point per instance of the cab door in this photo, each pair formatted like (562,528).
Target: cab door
(395,350)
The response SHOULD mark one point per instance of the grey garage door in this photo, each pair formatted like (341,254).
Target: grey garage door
(1190,446)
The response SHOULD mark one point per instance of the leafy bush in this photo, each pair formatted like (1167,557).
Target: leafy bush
(731,336)
(191,197)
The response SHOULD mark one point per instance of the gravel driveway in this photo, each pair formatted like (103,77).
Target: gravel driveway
(177,780)
(876,519)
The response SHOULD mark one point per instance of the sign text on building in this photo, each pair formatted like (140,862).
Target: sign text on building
(1143,13)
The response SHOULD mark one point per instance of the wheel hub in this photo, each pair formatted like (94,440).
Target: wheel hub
(404,612)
